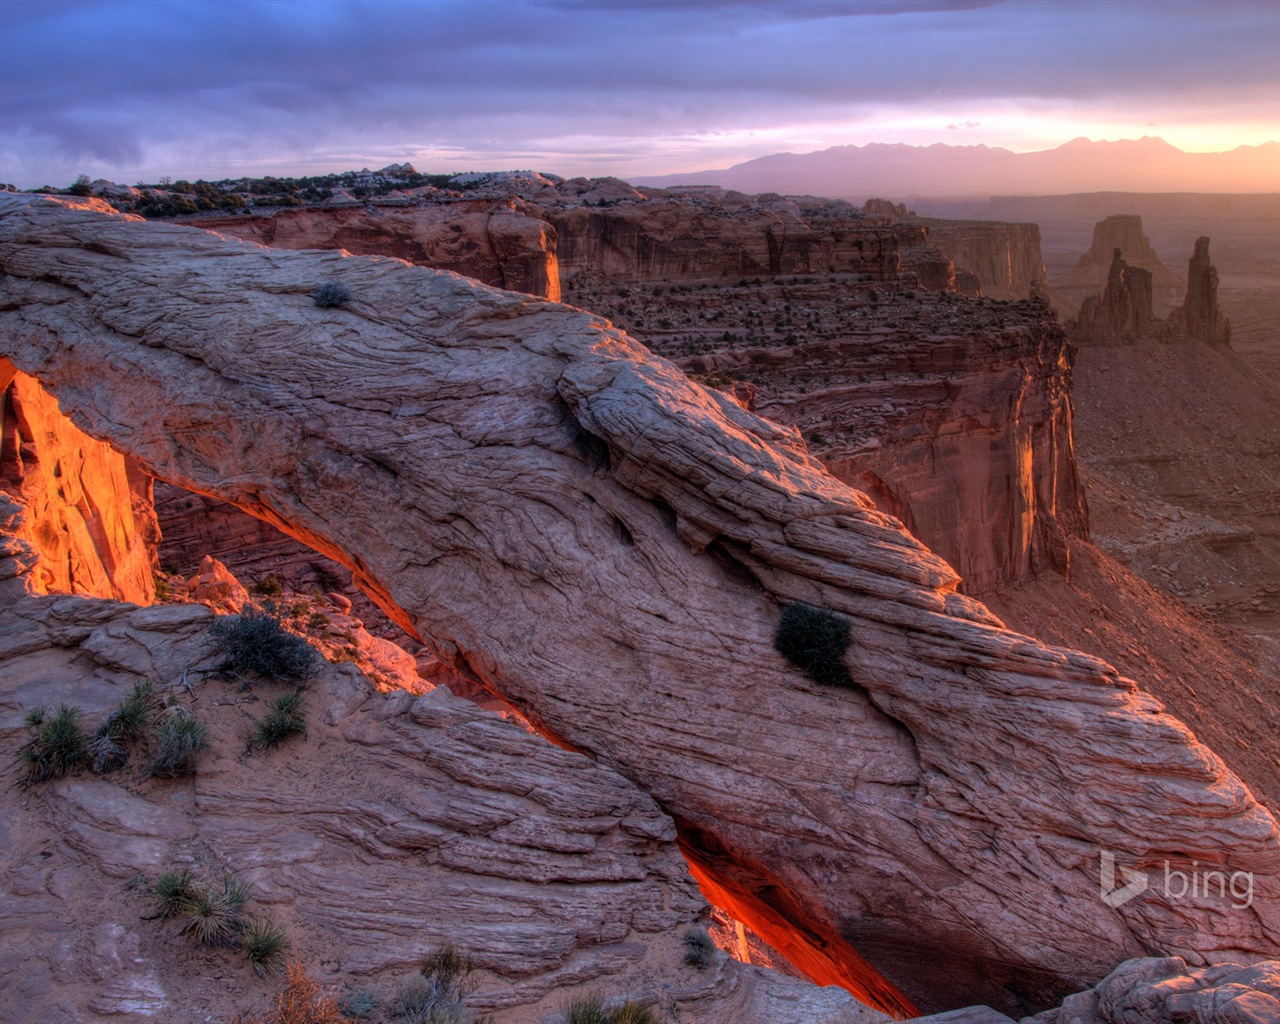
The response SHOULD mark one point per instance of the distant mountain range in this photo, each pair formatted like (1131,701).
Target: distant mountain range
(897,171)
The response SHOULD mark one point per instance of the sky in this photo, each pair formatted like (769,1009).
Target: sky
(134,91)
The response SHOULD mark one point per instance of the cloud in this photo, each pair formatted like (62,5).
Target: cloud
(132,87)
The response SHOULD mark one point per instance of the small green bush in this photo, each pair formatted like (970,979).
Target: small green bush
(268,586)
(266,945)
(286,719)
(179,740)
(211,916)
(699,950)
(59,745)
(172,890)
(135,712)
(814,640)
(331,293)
(256,643)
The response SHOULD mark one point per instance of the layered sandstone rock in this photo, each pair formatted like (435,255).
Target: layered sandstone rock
(604,227)
(499,242)
(83,509)
(572,521)
(963,434)
(399,824)
(1004,258)
(1200,319)
(1122,314)
(1124,232)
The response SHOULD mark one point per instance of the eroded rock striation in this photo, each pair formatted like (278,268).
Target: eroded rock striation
(81,512)
(401,823)
(573,522)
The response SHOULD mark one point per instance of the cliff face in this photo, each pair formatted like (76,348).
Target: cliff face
(570,520)
(964,437)
(500,242)
(81,510)
(529,243)
(696,237)
(1005,258)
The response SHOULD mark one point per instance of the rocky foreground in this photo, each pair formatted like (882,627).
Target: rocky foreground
(570,521)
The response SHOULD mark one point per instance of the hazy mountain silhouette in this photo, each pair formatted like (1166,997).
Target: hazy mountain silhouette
(898,171)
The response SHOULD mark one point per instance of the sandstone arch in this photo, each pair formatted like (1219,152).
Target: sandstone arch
(607,545)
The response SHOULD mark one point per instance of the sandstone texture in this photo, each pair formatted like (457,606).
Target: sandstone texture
(1166,991)
(573,522)
(398,824)
(82,511)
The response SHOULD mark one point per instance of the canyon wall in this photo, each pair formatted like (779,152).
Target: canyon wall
(498,241)
(530,243)
(573,522)
(1005,258)
(82,511)
(964,437)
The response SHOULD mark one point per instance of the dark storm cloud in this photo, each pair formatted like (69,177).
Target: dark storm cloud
(130,85)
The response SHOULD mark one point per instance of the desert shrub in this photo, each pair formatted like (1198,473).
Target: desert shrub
(699,950)
(235,892)
(814,640)
(286,719)
(106,754)
(134,714)
(266,945)
(255,643)
(591,1009)
(268,586)
(631,1012)
(331,293)
(124,725)
(179,740)
(172,890)
(210,915)
(437,994)
(301,1001)
(317,620)
(59,745)
(360,1004)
